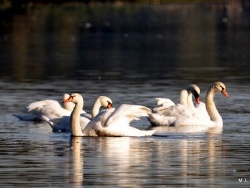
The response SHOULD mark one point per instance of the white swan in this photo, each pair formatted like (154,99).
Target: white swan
(35,110)
(189,121)
(185,100)
(62,123)
(111,122)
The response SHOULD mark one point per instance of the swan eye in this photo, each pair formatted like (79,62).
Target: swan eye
(222,88)
(196,94)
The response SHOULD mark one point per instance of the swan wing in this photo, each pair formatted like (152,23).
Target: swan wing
(161,120)
(54,111)
(163,105)
(115,122)
(164,102)
(127,113)
(36,106)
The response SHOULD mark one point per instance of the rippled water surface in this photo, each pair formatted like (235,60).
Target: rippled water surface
(132,54)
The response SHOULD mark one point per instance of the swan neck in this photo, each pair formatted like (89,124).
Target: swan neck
(183,97)
(190,100)
(96,108)
(75,120)
(69,106)
(211,107)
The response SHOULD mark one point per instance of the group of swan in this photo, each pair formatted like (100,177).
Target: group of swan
(116,121)
(110,122)
(201,117)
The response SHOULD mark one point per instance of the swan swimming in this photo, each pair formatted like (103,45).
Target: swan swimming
(36,110)
(168,108)
(110,122)
(194,123)
(62,123)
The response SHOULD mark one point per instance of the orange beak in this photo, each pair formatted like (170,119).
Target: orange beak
(224,92)
(197,100)
(70,99)
(109,105)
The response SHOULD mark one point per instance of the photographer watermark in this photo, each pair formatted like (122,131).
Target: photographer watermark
(242,180)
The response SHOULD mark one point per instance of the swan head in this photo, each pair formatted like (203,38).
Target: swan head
(220,87)
(65,96)
(75,98)
(195,90)
(105,102)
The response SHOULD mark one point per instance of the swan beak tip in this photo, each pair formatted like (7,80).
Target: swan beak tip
(109,105)
(197,100)
(224,92)
(67,100)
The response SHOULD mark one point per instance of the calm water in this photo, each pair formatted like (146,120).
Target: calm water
(132,54)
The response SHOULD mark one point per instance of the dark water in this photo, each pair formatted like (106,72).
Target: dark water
(133,54)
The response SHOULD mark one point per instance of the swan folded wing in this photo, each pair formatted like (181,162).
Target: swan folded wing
(161,110)
(164,102)
(161,120)
(179,111)
(38,105)
(201,112)
(163,105)
(119,127)
(54,112)
(127,113)
(115,122)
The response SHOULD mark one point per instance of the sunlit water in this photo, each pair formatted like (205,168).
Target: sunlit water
(31,155)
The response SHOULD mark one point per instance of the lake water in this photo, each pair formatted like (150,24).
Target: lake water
(133,54)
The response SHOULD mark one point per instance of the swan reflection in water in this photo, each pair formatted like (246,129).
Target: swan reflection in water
(77,160)
(125,160)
